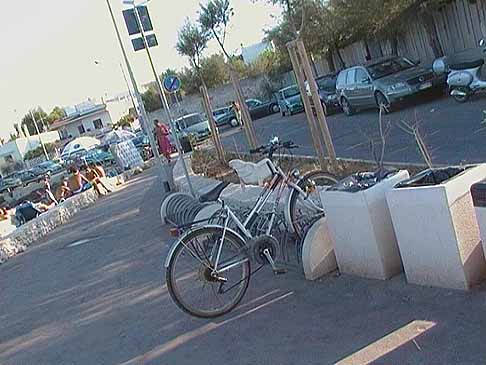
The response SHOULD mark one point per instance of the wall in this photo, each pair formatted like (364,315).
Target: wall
(459,25)
(18,148)
(223,95)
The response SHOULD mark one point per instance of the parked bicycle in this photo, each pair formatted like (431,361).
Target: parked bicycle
(208,269)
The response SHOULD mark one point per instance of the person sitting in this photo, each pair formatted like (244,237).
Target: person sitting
(63,191)
(77,182)
(4,214)
(94,178)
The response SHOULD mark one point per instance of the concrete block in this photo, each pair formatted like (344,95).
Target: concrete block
(438,233)
(481,218)
(361,226)
(318,256)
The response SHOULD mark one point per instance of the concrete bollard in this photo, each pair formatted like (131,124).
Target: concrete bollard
(318,256)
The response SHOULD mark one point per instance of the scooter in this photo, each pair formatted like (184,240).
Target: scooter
(464,78)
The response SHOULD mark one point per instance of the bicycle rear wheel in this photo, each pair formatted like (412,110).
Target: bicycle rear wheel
(189,277)
(305,209)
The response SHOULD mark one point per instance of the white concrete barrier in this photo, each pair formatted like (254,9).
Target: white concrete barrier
(362,229)
(438,233)
(318,256)
(481,217)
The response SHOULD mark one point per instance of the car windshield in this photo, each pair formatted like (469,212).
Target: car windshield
(327,84)
(389,67)
(291,91)
(191,120)
(219,112)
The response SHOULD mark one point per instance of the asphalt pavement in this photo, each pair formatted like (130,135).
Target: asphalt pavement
(454,133)
(93,293)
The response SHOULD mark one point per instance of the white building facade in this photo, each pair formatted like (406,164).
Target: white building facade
(84,120)
(14,151)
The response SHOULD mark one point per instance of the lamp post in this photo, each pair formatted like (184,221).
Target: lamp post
(141,111)
(160,90)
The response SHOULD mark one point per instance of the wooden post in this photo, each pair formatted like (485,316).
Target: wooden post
(212,124)
(299,73)
(321,117)
(245,114)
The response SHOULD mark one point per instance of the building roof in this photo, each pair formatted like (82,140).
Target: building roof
(77,117)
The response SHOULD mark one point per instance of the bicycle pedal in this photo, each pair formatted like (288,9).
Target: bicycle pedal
(280,271)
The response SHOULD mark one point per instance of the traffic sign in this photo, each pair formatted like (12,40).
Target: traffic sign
(172,84)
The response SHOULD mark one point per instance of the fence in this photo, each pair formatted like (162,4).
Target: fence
(459,26)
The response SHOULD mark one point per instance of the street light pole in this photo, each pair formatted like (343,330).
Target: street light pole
(128,88)
(38,134)
(142,112)
(162,97)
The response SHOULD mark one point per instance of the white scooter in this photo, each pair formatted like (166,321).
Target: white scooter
(464,78)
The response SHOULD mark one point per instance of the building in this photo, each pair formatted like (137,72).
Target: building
(251,53)
(14,151)
(86,119)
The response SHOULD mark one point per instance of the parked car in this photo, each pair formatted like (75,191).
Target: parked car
(193,124)
(383,82)
(257,108)
(28,177)
(51,167)
(98,156)
(326,85)
(9,182)
(290,101)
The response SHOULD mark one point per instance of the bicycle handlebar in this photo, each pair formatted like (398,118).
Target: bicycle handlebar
(270,148)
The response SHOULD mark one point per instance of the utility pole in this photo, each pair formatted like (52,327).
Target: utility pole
(128,88)
(142,111)
(163,98)
(38,134)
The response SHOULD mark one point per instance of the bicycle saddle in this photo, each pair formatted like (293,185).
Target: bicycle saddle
(253,173)
(214,193)
(466,65)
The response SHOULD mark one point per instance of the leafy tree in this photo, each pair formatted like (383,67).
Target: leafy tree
(28,122)
(214,19)
(125,121)
(56,113)
(192,41)
(151,99)
(37,152)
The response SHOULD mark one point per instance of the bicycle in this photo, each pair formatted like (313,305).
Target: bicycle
(219,256)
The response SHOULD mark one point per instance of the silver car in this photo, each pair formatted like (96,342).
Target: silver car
(383,82)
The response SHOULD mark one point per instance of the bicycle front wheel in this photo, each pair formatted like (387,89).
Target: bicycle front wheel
(305,208)
(192,281)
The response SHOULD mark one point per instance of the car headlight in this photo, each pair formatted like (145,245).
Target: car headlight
(397,87)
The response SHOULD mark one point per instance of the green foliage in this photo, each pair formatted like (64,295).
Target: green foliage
(50,147)
(214,19)
(125,121)
(151,99)
(39,115)
(56,114)
(192,41)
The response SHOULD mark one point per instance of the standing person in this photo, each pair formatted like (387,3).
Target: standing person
(236,107)
(162,135)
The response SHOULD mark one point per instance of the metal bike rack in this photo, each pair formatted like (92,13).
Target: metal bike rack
(179,209)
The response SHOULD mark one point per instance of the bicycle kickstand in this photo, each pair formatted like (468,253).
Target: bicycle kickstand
(276,270)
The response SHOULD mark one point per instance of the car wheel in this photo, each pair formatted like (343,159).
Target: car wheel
(274,108)
(347,108)
(382,101)
(234,122)
(461,94)
(325,109)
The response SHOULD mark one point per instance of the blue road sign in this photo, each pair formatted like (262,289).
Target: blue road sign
(172,84)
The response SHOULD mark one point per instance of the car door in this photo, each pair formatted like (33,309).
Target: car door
(350,87)
(253,107)
(363,88)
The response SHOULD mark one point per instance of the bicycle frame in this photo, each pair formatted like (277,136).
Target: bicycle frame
(279,181)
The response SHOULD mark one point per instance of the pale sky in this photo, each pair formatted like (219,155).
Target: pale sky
(49,48)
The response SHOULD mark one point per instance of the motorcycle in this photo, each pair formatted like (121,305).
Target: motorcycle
(464,78)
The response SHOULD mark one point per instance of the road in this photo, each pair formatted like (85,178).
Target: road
(453,132)
(93,293)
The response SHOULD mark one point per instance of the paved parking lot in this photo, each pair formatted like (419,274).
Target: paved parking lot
(454,132)
(93,293)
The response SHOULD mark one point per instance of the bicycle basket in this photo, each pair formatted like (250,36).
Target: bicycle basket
(253,173)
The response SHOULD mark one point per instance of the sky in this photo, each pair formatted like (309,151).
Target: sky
(49,49)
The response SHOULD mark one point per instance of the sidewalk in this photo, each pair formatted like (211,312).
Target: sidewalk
(104,302)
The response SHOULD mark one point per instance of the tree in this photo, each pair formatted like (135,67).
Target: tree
(214,19)
(57,113)
(151,99)
(125,121)
(192,41)
(28,122)
(39,151)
